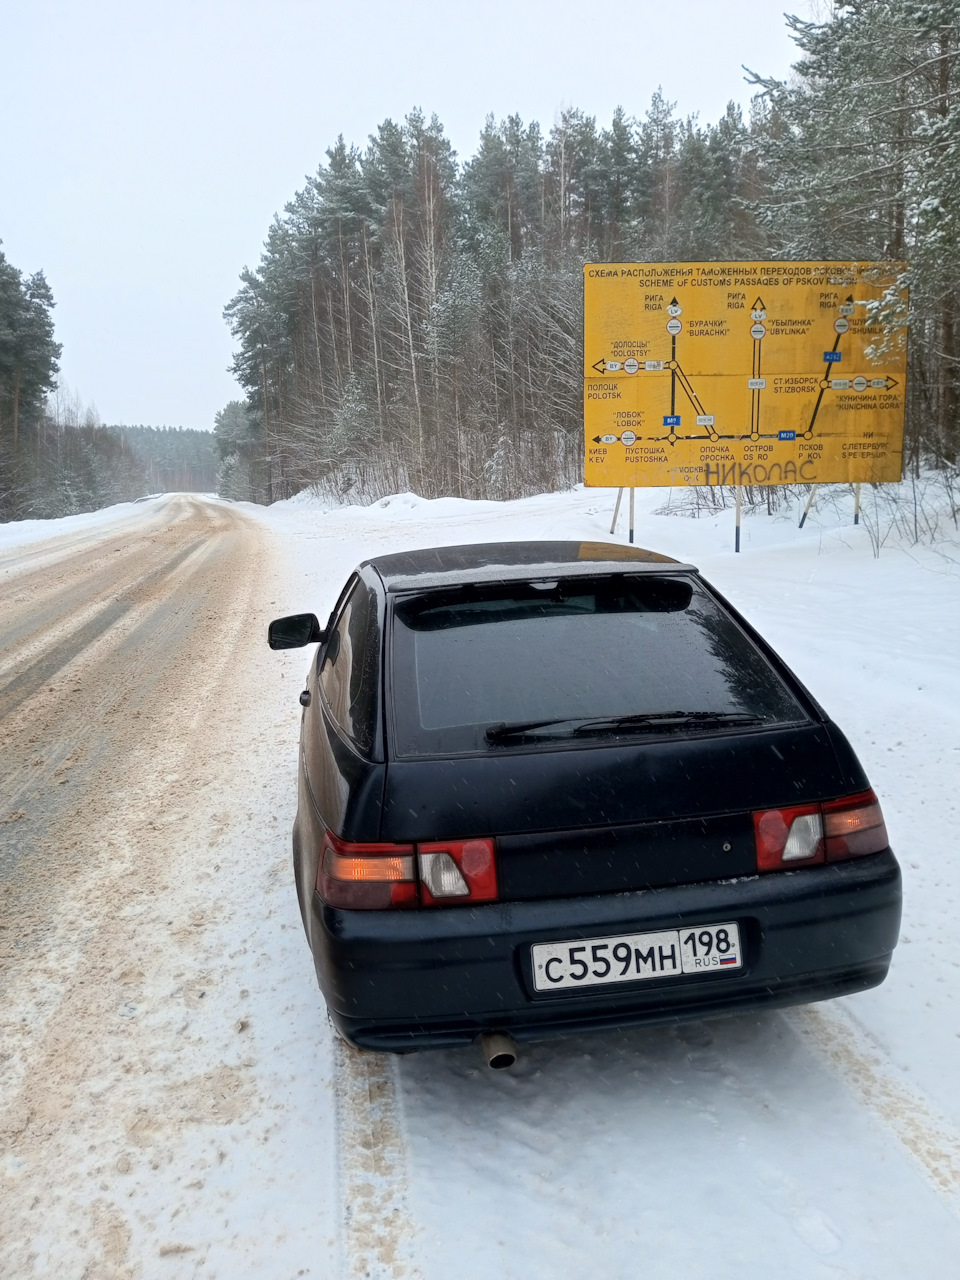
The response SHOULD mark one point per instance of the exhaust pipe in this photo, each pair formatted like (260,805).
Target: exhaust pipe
(498,1049)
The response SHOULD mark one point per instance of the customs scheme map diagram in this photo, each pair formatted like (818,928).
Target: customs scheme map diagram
(740,373)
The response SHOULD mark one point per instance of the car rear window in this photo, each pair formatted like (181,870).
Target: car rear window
(469,663)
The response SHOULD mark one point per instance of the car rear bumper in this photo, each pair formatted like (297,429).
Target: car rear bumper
(399,980)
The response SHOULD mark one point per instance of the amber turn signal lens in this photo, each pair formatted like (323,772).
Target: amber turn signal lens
(366,877)
(854,827)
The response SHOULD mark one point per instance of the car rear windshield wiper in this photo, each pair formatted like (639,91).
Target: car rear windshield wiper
(633,723)
(504,731)
(668,720)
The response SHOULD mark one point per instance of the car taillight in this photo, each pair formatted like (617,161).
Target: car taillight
(805,835)
(366,876)
(453,871)
(854,827)
(375,877)
(786,837)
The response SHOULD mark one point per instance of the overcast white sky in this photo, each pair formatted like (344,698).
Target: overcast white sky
(145,146)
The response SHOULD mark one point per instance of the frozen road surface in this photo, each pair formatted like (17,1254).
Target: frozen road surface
(172,1102)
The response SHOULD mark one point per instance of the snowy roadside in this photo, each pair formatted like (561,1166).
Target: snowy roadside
(22,533)
(217,1130)
(769,1106)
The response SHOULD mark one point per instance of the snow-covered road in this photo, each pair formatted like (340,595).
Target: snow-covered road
(172,1102)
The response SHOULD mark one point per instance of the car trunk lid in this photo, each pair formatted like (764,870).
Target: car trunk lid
(609,818)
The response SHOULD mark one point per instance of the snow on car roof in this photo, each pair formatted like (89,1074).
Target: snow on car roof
(493,561)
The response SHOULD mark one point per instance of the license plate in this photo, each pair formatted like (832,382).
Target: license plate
(633,957)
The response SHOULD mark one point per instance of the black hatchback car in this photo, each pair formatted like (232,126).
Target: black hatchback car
(551,787)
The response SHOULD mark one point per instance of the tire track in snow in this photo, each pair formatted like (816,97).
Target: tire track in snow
(50,663)
(94,1080)
(377,1232)
(836,1036)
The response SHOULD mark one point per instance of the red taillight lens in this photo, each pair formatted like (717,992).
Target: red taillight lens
(457,871)
(788,837)
(366,876)
(809,834)
(854,827)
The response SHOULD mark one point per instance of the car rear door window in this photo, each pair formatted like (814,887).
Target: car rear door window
(468,663)
(349,668)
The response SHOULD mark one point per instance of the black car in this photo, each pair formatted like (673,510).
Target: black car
(557,786)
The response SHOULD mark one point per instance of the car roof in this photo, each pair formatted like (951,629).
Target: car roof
(514,561)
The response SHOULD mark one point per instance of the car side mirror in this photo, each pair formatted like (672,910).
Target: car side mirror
(295,631)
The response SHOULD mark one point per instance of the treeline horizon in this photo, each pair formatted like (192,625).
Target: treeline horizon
(56,457)
(68,462)
(416,323)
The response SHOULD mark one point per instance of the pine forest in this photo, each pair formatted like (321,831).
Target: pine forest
(414,321)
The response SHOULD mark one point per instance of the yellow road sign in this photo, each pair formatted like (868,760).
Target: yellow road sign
(740,373)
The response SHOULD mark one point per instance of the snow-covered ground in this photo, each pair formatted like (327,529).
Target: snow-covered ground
(821,1142)
(21,533)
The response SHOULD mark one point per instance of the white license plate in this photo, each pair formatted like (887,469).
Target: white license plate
(631,957)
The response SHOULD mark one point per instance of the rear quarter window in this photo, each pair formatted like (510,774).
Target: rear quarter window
(350,669)
(469,659)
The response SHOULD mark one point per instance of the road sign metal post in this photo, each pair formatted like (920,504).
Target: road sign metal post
(616,512)
(736,540)
(632,492)
(856,504)
(806,510)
